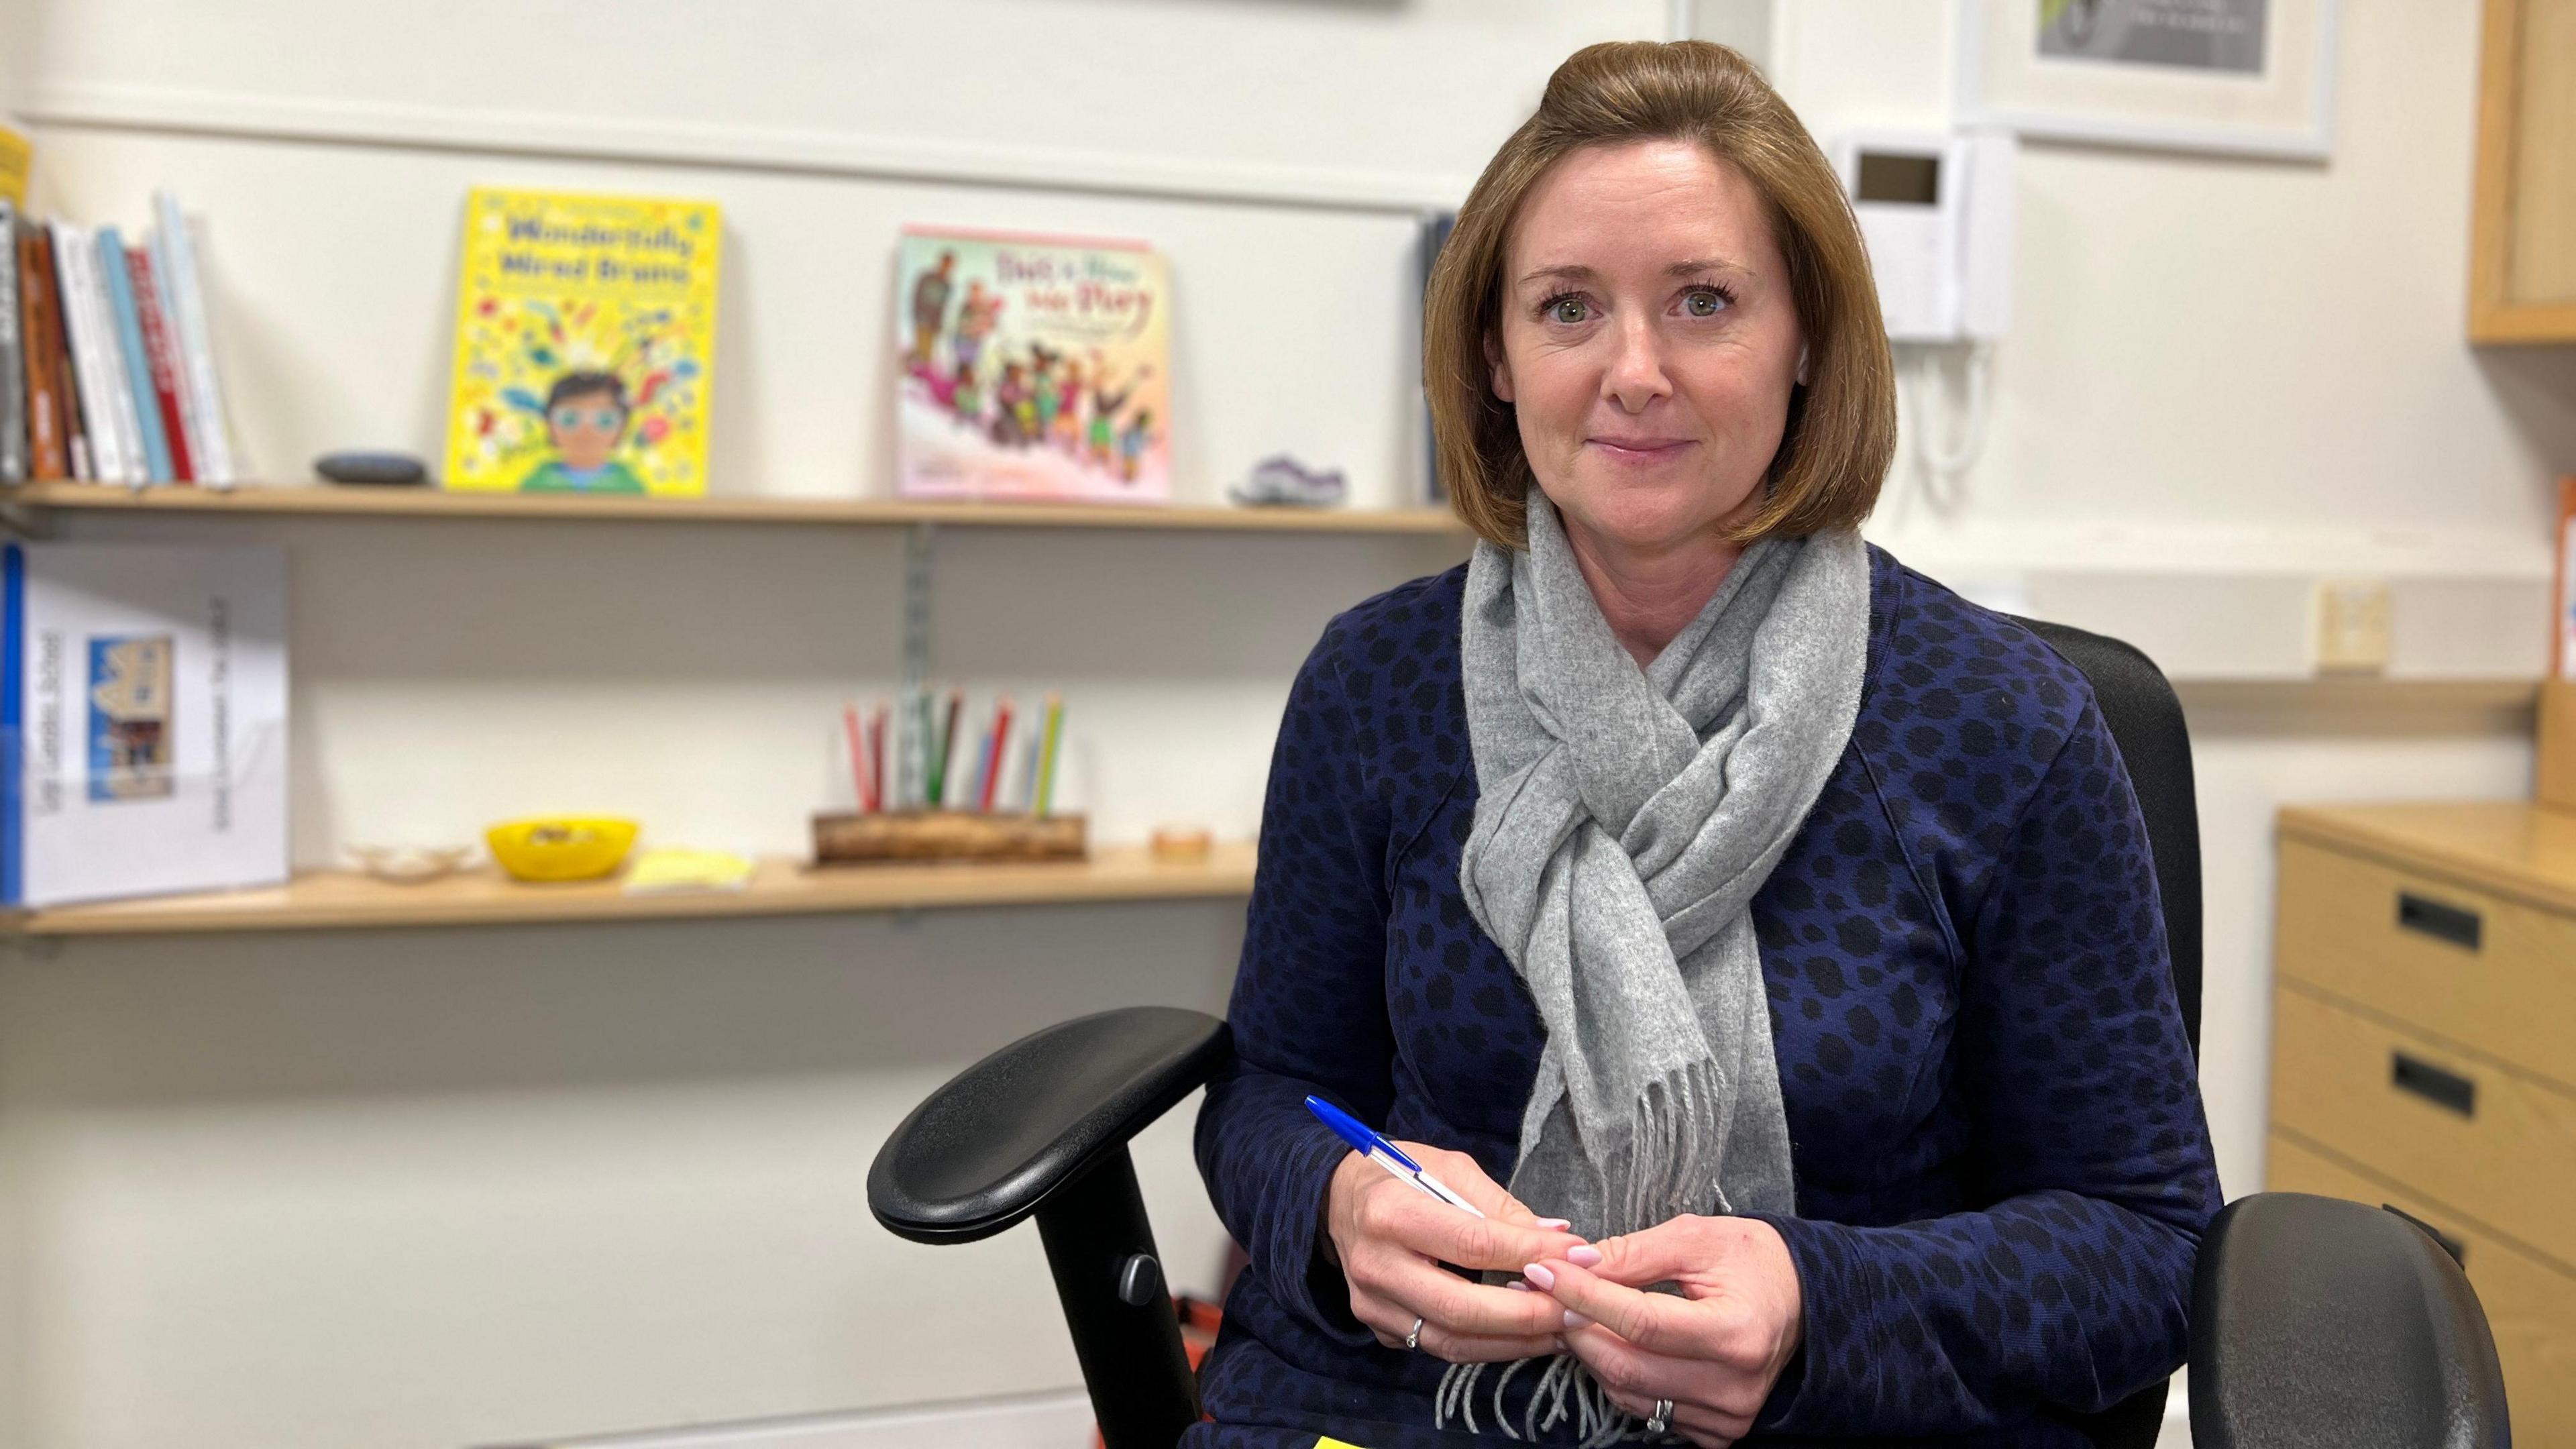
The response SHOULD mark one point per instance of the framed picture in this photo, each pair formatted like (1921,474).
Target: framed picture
(2253,77)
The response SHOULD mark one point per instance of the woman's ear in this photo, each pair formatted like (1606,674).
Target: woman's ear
(1498,367)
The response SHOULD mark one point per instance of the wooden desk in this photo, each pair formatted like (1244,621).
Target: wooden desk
(2424,1052)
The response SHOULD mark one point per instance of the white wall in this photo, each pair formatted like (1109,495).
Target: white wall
(2226,381)
(445,1188)
(441,1188)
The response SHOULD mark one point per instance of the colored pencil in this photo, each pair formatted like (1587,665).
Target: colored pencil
(876,758)
(974,791)
(918,764)
(947,778)
(993,763)
(858,742)
(1047,760)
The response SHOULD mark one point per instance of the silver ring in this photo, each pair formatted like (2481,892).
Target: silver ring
(1414,1338)
(1660,1421)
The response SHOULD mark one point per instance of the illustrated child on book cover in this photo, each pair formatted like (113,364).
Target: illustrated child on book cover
(1032,368)
(585,420)
(585,329)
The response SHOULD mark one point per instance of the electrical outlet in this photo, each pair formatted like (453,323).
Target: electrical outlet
(2354,620)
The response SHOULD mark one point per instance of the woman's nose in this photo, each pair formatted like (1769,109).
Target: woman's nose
(1636,373)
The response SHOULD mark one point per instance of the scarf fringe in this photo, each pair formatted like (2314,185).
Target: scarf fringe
(1566,1388)
(1676,1143)
(1679,1124)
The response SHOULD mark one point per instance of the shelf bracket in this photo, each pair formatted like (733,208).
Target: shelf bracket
(25,947)
(24,520)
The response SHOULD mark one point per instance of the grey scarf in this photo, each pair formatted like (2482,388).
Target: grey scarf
(1626,819)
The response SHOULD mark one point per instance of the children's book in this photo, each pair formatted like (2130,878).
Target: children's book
(13,354)
(201,396)
(40,332)
(134,365)
(108,419)
(17,158)
(142,720)
(1033,368)
(585,332)
(163,369)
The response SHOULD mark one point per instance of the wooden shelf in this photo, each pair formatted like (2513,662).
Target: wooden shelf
(335,501)
(2376,695)
(345,900)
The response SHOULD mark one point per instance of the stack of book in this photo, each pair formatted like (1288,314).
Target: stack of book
(106,371)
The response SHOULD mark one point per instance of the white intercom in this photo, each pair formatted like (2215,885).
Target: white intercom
(1937,211)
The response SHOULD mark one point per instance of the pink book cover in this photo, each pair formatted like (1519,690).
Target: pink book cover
(1032,368)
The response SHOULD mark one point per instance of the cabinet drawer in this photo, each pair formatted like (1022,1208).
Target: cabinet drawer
(2496,1145)
(2530,1305)
(2493,973)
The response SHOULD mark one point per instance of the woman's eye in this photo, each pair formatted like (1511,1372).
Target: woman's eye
(1705,302)
(1568,310)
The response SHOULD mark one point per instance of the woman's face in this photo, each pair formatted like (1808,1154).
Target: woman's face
(1648,342)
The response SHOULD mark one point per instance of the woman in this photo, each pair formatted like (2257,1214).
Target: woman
(1776,923)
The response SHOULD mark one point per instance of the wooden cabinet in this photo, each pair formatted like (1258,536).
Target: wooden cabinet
(2522,253)
(2424,1052)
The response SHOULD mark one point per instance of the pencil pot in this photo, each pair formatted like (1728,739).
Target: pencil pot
(842,838)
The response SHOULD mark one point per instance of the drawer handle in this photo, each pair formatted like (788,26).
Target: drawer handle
(2434,919)
(2434,1085)
(2458,1250)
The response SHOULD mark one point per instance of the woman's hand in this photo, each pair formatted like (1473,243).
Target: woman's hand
(1714,1351)
(1390,1241)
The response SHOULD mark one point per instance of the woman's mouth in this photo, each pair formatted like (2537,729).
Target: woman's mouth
(1639,450)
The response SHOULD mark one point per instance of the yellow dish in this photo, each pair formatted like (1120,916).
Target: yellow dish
(561,847)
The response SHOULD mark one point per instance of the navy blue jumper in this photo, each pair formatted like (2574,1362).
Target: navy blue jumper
(2001,1161)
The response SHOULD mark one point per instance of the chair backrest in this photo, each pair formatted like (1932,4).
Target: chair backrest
(2146,722)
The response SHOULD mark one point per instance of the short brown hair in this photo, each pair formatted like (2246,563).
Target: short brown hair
(1841,431)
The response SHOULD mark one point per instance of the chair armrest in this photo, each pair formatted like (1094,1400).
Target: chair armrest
(2319,1322)
(1006,1134)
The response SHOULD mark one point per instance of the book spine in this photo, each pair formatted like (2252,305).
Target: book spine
(68,382)
(67,378)
(13,356)
(161,358)
(215,461)
(191,424)
(48,456)
(74,261)
(134,365)
(13,725)
(108,366)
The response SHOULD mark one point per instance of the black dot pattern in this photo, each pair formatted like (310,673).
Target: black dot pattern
(2002,1164)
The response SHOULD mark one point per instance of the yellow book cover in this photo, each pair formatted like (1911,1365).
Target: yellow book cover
(585,336)
(17,158)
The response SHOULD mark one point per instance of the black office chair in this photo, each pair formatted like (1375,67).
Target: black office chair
(2315,1322)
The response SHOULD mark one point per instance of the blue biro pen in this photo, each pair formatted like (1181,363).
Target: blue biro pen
(1384,1153)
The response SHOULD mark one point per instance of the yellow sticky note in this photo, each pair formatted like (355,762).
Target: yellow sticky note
(1332,1443)
(672,869)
